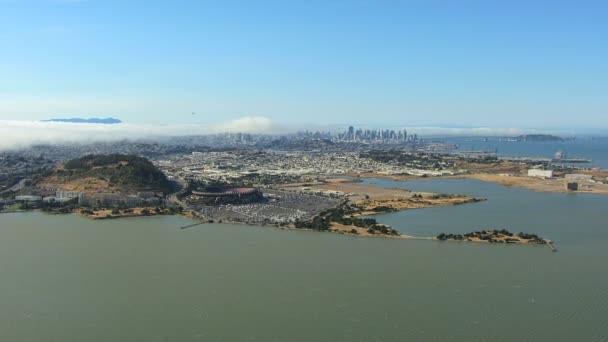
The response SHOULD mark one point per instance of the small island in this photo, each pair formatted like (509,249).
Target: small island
(498,236)
(539,138)
(494,236)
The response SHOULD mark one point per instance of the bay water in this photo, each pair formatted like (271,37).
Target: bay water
(66,278)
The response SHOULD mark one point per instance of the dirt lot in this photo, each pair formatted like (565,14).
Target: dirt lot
(373,205)
(541,185)
(517,180)
(352,188)
(86,185)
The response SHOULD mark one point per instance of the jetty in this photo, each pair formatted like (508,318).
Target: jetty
(551,246)
(193,225)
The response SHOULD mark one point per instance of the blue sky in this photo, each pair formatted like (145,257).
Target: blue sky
(539,64)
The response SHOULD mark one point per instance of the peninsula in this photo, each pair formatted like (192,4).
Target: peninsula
(296,190)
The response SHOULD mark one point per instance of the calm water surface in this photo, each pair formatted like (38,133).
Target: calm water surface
(596,150)
(65,278)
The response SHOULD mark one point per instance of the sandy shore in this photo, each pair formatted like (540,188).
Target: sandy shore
(557,185)
(540,185)
(382,204)
(370,197)
(358,231)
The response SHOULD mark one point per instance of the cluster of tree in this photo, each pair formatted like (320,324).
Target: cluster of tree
(8,194)
(317,223)
(10,180)
(343,214)
(92,160)
(488,160)
(439,196)
(383,209)
(56,207)
(531,237)
(162,210)
(492,236)
(382,229)
(195,184)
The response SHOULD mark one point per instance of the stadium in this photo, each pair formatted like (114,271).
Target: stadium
(226,195)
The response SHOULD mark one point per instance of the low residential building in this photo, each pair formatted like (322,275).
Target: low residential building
(67,194)
(54,199)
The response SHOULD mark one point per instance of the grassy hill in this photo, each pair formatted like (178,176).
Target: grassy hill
(125,173)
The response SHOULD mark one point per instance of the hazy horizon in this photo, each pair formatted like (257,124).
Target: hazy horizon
(22,134)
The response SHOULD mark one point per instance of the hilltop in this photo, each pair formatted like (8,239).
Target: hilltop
(116,172)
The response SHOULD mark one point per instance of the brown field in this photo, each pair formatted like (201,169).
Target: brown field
(396,199)
(107,213)
(86,185)
(541,185)
(517,180)
(493,168)
(371,205)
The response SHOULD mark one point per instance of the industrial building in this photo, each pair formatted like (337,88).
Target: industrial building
(540,173)
(53,199)
(28,198)
(116,199)
(63,197)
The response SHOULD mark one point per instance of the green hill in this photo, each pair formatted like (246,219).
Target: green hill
(122,172)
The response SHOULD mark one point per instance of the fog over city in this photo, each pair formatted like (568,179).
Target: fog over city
(22,134)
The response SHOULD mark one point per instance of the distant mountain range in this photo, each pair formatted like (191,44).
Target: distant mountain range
(107,121)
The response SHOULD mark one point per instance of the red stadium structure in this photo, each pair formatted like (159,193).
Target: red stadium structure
(226,195)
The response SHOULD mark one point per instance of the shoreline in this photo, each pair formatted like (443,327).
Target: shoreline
(333,230)
(345,218)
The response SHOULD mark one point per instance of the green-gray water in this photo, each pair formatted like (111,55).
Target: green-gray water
(65,278)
